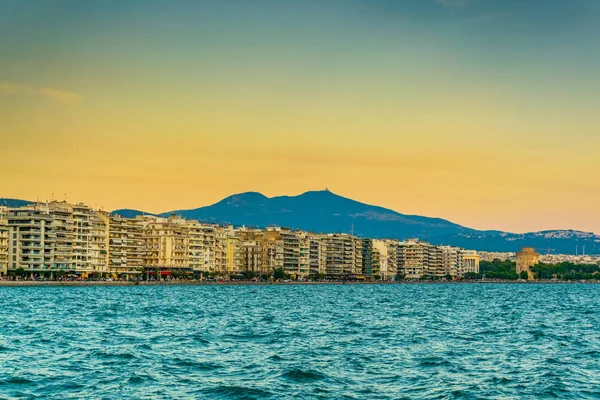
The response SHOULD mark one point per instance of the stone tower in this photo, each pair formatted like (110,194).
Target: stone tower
(526,259)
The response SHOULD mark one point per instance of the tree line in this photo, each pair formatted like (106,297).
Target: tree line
(507,270)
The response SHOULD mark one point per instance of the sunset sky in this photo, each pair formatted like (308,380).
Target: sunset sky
(483,112)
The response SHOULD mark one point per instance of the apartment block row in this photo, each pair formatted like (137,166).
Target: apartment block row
(60,238)
(419,259)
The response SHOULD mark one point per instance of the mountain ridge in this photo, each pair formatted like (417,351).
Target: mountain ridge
(323,211)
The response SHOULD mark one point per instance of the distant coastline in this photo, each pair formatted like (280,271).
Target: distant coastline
(250,283)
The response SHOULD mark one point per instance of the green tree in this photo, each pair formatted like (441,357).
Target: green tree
(248,275)
(279,273)
(472,275)
(524,275)
(20,271)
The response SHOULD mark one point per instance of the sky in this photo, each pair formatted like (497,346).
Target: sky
(483,112)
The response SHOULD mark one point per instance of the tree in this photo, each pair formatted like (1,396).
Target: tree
(279,273)
(248,275)
(20,271)
(524,275)
(448,277)
(471,275)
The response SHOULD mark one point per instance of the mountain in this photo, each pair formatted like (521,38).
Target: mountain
(326,212)
(13,202)
(319,211)
(129,213)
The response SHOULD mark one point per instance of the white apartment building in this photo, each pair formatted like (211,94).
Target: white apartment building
(3,245)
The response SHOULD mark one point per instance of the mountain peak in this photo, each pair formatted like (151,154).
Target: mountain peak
(323,193)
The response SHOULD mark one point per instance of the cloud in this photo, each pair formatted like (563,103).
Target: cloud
(453,3)
(63,97)
(58,95)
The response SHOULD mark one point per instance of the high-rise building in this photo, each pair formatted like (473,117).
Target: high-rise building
(317,256)
(367,258)
(343,255)
(3,245)
(165,244)
(387,251)
(126,246)
(100,234)
(229,252)
(413,259)
(450,261)
(30,244)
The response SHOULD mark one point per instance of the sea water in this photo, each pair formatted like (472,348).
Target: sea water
(411,341)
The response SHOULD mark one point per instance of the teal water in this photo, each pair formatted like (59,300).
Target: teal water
(442,341)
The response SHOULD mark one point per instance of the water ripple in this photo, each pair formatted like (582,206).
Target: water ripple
(301,341)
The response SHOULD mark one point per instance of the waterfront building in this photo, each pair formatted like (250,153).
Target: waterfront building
(201,247)
(343,255)
(387,251)
(31,240)
(290,246)
(469,262)
(195,254)
(165,244)
(434,261)
(303,254)
(376,266)
(275,248)
(317,256)
(229,252)
(3,245)
(258,255)
(357,252)
(526,259)
(367,258)
(126,245)
(413,259)
(100,245)
(79,241)
(450,261)
(208,248)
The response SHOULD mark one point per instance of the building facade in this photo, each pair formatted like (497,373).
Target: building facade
(526,259)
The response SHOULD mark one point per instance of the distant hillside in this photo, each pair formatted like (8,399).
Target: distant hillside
(555,242)
(326,212)
(320,211)
(13,202)
(129,213)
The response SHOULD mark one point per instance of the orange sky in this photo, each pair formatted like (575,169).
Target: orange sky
(131,112)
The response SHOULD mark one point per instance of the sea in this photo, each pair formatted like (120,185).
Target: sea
(326,341)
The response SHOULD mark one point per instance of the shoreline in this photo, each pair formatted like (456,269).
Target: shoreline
(248,283)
